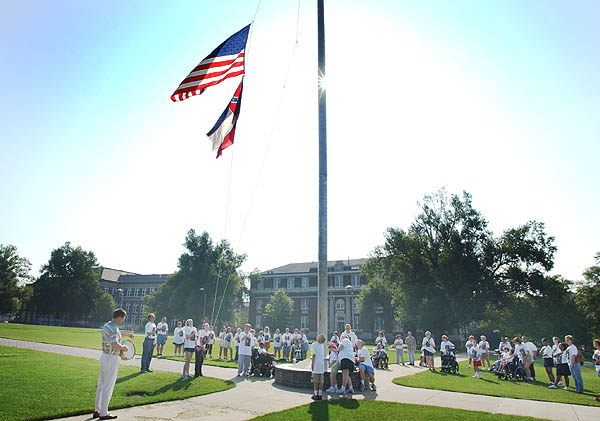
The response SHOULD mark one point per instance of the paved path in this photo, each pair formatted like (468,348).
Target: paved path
(255,397)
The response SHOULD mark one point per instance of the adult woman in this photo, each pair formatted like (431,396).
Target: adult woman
(596,359)
(411,347)
(227,338)
(200,353)
(178,340)
(574,363)
(287,343)
(346,358)
(522,353)
(428,348)
(277,344)
(484,347)
(189,345)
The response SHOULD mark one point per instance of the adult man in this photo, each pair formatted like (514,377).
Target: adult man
(109,364)
(236,339)
(148,346)
(162,333)
(411,347)
(245,351)
(532,351)
(351,335)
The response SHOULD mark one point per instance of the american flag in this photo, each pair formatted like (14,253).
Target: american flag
(227,60)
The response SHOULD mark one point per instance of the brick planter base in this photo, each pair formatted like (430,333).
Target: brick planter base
(288,375)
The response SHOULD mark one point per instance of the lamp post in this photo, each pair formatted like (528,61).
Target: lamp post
(203,291)
(120,295)
(349,311)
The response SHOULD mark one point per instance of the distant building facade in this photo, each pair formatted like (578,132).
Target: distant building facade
(299,281)
(135,287)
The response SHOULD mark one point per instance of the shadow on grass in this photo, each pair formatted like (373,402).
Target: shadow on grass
(129,377)
(320,410)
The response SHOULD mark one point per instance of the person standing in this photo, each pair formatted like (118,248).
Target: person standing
(351,335)
(399,344)
(148,346)
(178,340)
(277,344)
(548,359)
(484,348)
(596,360)
(109,364)
(317,366)
(245,351)
(228,338)
(162,334)
(287,343)
(236,339)
(200,352)
(211,340)
(575,360)
(428,350)
(346,358)
(532,350)
(411,347)
(222,342)
(189,346)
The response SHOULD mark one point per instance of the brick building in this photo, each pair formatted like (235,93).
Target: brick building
(299,281)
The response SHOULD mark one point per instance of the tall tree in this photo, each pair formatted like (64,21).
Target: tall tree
(68,284)
(588,298)
(278,311)
(202,265)
(103,308)
(14,274)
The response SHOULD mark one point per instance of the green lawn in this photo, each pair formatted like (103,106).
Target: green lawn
(90,338)
(491,385)
(351,409)
(38,385)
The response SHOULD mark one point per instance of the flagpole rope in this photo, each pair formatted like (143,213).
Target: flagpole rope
(270,138)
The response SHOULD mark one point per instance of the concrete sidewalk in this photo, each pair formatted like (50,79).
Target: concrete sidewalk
(254,397)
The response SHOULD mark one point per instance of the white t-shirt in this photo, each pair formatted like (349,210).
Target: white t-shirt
(484,346)
(531,349)
(227,337)
(381,340)
(446,346)
(277,340)
(246,343)
(162,329)
(468,345)
(150,330)
(364,353)
(335,339)
(571,352)
(399,343)
(333,357)
(347,350)
(192,332)
(266,337)
(287,338)
(211,337)
(236,338)
(475,353)
(428,344)
(352,336)
(504,345)
(178,336)
(521,351)
(304,338)
(202,334)
(546,351)
(318,350)
(221,336)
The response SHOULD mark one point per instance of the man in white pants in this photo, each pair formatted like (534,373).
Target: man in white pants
(245,351)
(109,364)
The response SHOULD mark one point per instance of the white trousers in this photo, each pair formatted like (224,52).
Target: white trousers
(109,368)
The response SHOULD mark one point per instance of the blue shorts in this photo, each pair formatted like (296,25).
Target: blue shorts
(304,346)
(368,369)
(427,353)
(161,339)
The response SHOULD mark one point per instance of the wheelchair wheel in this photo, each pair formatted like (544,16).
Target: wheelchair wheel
(256,372)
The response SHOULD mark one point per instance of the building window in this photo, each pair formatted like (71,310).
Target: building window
(129,292)
(276,282)
(339,281)
(304,282)
(355,304)
(340,304)
(304,303)
(355,279)
(127,307)
(304,322)
(290,283)
(135,307)
(259,304)
(378,323)
(259,284)
(134,320)
(137,292)
(141,309)
(355,320)
(258,320)
(143,292)
(106,290)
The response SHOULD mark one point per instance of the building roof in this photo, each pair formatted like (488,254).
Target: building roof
(112,275)
(142,279)
(306,267)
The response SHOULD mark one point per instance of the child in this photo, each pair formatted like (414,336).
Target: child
(546,352)
(267,338)
(562,368)
(399,344)
(596,360)
(333,368)
(475,356)
(317,366)
(277,344)
(468,346)
(335,338)
(365,366)
(178,340)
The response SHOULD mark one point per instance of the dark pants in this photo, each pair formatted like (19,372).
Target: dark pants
(532,368)
(147,351)
(198,364)
(237,349)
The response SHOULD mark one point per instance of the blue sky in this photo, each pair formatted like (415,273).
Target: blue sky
(500,99)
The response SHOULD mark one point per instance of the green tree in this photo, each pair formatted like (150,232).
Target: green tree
(278,311)
(587,298)
(202,265)
(68,284)
(14,274)
(103,309)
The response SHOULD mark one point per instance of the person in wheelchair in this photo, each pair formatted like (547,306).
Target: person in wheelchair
(447,351)
(380,357)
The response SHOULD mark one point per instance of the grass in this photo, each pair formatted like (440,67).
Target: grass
(91,338)
(38,385)
(351,409)
(492,386)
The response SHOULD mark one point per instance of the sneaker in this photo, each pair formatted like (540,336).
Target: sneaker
(331,390)
(475,376)
(373,387)
(319,398)
(469,365)
(314,397)
(566,388)
(361,388)
(552,386)
(351,390)
(560,383)
(341,391)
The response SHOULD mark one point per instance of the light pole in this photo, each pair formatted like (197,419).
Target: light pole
(349,290)
(203,291)
(120,295)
